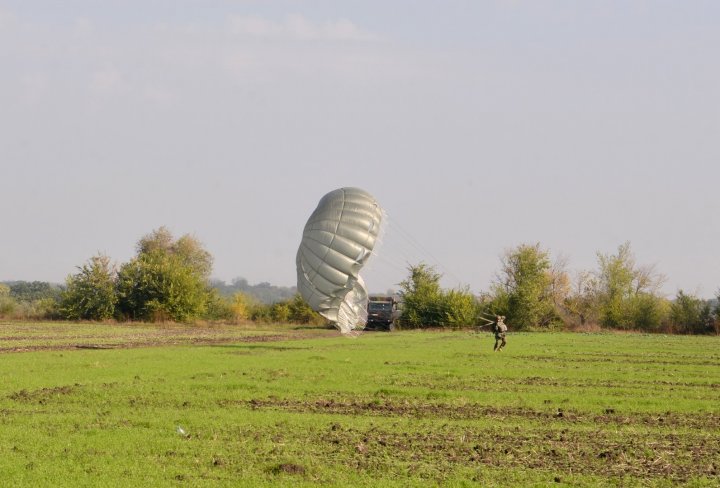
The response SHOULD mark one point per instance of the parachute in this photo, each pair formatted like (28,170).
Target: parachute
(337,241)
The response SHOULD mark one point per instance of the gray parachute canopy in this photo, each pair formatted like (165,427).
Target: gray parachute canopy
(337,241)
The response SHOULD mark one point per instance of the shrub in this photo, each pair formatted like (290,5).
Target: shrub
(90,294)
(241,306)
(7,306)
(690,314)
(280,312)
(218,307)
(426,304)
(159,286)
(460,308)
(301,313)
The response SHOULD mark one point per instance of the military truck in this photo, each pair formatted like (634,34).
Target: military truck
(382,311)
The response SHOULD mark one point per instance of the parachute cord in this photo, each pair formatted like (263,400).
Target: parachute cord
(419,247)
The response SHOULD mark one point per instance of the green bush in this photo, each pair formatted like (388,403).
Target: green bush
(8,306)
(301,313)
(167,280)
(646,311)
(280,312)
(158,286)
(422,298)
(90,294)
(218,307)
(296,311)
(39,301)
(426,304)
(460,308)
(691,315)
(260,313)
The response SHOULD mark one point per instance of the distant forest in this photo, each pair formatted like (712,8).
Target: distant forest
(28,291)
(264,292)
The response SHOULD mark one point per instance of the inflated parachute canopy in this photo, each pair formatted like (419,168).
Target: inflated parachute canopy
(337,241)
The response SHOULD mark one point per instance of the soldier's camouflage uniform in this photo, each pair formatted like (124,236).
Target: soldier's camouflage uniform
(500,330)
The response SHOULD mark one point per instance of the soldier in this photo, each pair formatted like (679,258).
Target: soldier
(500,330)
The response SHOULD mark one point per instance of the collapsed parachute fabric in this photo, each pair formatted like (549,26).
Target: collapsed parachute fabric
(337,241)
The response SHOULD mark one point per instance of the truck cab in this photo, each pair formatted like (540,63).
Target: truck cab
(382,312)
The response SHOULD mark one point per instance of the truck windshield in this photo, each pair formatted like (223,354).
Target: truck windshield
(380,306)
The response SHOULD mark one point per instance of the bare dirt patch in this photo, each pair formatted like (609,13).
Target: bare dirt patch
(604,454)
(672,446)
(43,395)
(386,407)
(127,336)
(287,468)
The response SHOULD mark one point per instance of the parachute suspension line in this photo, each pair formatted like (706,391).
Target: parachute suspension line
(388,262)
(379,252)
(396,227)
(392,255)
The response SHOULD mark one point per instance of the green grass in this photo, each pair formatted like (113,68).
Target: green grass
(399,409)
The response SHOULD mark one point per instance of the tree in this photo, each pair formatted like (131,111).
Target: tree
(31,300)
(628,294)
(529,285)
(7,303)
(187,248)
(582,302)
(167,280)
(426,304)
(24,291)
(90,293)
(616,286)
(422,297)
(460,308)
(560,282)
(647,311)
(690,314)
(241,305)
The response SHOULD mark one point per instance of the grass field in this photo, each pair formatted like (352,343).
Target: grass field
(118,405)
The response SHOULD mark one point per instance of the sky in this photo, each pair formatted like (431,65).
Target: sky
(477,125)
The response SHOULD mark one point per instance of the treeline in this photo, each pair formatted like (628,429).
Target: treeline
(534,292)
(263,292)
(167,280)
(29,299)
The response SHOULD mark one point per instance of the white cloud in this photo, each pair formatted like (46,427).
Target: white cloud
(299,28)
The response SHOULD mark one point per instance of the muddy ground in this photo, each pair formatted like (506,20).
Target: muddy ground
(670,446)
(16,338)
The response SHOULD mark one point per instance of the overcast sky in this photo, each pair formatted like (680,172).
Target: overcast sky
(478,126)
